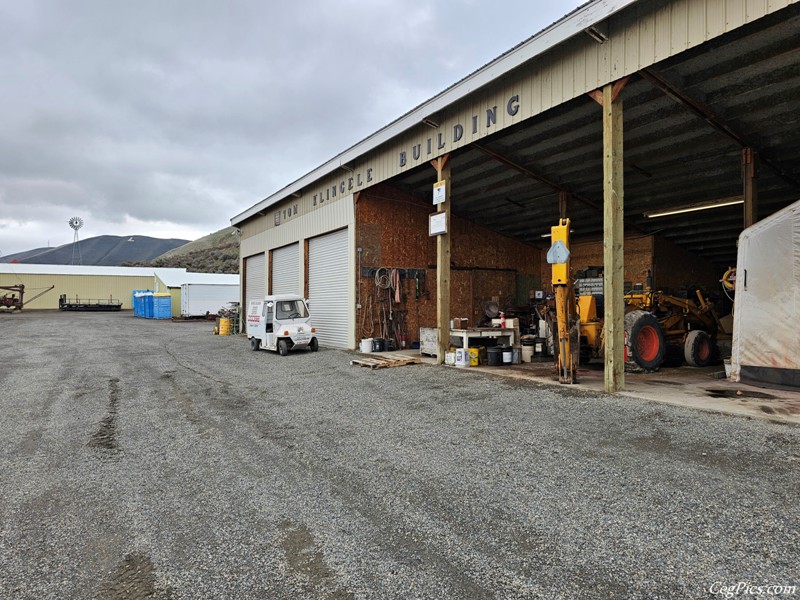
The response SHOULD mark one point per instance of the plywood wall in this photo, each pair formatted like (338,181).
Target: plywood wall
(673,269)
(392,232)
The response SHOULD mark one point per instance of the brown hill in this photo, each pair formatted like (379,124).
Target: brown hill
(217,252)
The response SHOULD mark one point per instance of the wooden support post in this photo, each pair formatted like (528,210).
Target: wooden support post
(563,205)
(750,185)
(443,262)
(613,240)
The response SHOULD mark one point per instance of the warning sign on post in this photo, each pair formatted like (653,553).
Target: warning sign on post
(439,189)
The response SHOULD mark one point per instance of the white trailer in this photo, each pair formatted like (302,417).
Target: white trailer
(198,299)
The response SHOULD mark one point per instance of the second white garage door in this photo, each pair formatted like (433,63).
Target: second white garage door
(286,270)
(327,288)
(255,269)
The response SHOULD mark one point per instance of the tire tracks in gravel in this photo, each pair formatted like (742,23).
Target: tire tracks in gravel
(404,541)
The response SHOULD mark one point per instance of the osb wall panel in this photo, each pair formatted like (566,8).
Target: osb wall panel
(392,231)
(638,259)
(675,269)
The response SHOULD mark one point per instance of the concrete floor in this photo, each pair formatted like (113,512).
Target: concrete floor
(701,388)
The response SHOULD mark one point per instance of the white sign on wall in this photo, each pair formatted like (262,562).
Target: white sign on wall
(437,223)
(439,189)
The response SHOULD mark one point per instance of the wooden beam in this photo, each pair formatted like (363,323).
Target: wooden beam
(699,109)
(613,240)
(750,185)
(443,261)
(543,180)
(616,90)
(563,205)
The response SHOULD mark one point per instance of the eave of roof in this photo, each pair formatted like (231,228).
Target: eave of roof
(562,30)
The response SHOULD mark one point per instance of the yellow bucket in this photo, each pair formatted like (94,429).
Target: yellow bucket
(224,326)
(473,357)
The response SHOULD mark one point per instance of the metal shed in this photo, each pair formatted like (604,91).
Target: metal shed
(706,145)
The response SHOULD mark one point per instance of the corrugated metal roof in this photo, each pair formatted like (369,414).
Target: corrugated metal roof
(747,79)
(31,269)
(177,279)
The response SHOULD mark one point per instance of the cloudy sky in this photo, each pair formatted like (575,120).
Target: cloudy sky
(167,118)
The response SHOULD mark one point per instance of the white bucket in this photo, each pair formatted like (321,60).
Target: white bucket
(527,354)
(507,355)
(366,345)
(462,357)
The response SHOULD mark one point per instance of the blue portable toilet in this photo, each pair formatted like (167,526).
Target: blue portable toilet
(162,306)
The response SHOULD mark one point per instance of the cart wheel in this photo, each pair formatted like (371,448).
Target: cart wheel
(255,343)
(283,347)
(697,348)
(314,344)
(645,340)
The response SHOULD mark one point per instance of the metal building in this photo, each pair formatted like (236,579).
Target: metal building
(705,145)
(82,282)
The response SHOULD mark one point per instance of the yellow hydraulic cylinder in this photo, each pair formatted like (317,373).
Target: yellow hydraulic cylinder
(565,311)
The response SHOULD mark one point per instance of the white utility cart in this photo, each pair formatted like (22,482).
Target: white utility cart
(280,323)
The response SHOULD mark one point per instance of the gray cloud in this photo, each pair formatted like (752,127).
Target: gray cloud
(178,115)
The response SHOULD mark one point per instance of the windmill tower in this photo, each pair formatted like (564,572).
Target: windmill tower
(76,223)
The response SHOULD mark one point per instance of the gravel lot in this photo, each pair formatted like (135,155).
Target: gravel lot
(147,458)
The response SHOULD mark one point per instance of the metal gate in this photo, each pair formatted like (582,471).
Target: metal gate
(255,283)
(286,270)
(327,288)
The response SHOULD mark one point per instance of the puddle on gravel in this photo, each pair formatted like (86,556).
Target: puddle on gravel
(739,394)
(134,579)
(304,559)
(105,437)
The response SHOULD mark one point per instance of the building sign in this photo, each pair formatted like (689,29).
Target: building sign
(439,142)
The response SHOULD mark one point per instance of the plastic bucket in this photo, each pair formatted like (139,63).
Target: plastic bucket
(527,352)
(224,326)
(516,356)
(495,356)
(378,345)
(462,357)
(473,357)
(366,345)
(507,355)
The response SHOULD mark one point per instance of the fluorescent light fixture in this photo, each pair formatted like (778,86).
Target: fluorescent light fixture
(693,207)
(430,122)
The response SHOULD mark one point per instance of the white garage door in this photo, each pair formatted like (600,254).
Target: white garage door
(286,270)
(327,288)
(255,282)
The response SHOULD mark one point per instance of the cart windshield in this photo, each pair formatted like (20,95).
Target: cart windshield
(291,309)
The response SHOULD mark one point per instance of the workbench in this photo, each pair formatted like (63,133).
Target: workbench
(506,336)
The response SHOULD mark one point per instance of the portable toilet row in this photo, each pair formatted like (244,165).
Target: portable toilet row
(149,305)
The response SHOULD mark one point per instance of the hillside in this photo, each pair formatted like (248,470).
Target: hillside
(103,250)
(217,252)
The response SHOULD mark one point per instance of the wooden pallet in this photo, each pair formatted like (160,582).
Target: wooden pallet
(380,362)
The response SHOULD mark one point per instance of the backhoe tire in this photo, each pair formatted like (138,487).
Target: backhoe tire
(283,347)
(698,348)
(255,344)
(644,341)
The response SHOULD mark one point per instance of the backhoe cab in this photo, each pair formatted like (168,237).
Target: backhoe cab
(280,323)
